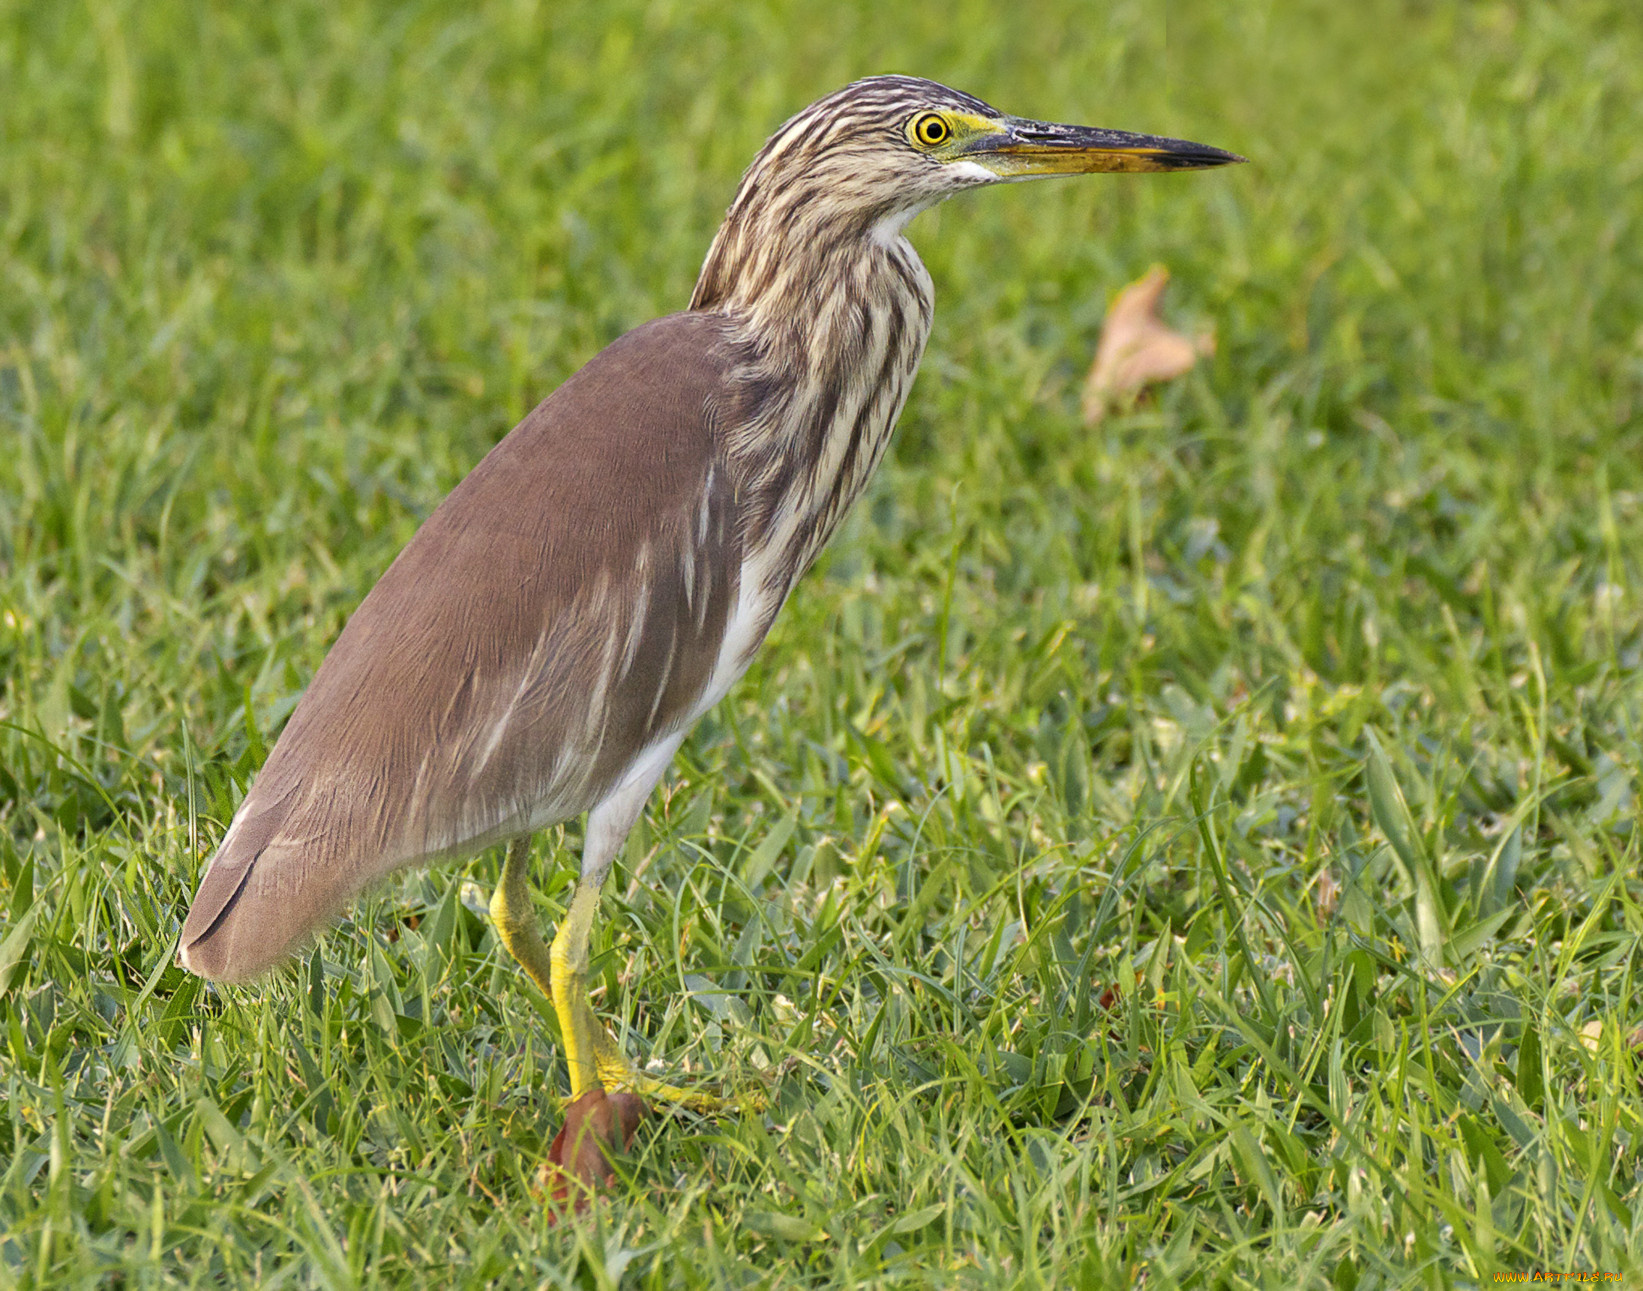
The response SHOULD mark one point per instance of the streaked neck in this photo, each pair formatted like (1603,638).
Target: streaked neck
(832,313)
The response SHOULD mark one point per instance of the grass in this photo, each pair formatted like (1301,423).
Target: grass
(1204,848)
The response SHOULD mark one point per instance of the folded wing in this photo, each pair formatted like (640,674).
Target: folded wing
(559,613)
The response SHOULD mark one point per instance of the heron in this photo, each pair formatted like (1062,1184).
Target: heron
(544,643)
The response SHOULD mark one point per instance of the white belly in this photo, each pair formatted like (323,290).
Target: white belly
(757,605)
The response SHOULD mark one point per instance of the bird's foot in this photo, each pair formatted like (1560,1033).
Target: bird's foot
(617,1073)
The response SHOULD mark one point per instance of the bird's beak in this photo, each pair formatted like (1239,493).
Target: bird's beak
(1024,149)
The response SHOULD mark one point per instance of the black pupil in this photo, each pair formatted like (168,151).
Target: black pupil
(934,130)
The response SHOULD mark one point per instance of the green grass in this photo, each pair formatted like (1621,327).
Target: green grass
(1203,847)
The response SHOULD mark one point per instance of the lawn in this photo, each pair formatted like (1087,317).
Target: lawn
(1200,849)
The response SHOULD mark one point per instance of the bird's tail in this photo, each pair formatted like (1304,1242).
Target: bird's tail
(262,894)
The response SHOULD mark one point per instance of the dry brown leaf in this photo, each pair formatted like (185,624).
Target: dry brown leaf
(1327,895)
(578,1158)
(1137,348)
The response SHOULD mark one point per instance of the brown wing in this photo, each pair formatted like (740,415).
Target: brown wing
(560,612)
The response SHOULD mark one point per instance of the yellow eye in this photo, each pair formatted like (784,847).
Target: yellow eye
(931,130)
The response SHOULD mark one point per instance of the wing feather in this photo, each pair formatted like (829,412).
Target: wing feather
(534,637)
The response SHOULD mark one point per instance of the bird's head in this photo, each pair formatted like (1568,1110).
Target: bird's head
(896,143)
(867,158)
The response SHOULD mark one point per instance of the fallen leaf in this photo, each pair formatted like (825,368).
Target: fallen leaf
(1137,348)
(1327,895)
(578,1158)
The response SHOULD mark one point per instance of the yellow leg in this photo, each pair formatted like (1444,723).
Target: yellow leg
(591,1053)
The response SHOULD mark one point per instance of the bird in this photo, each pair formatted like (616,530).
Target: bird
(606,573)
